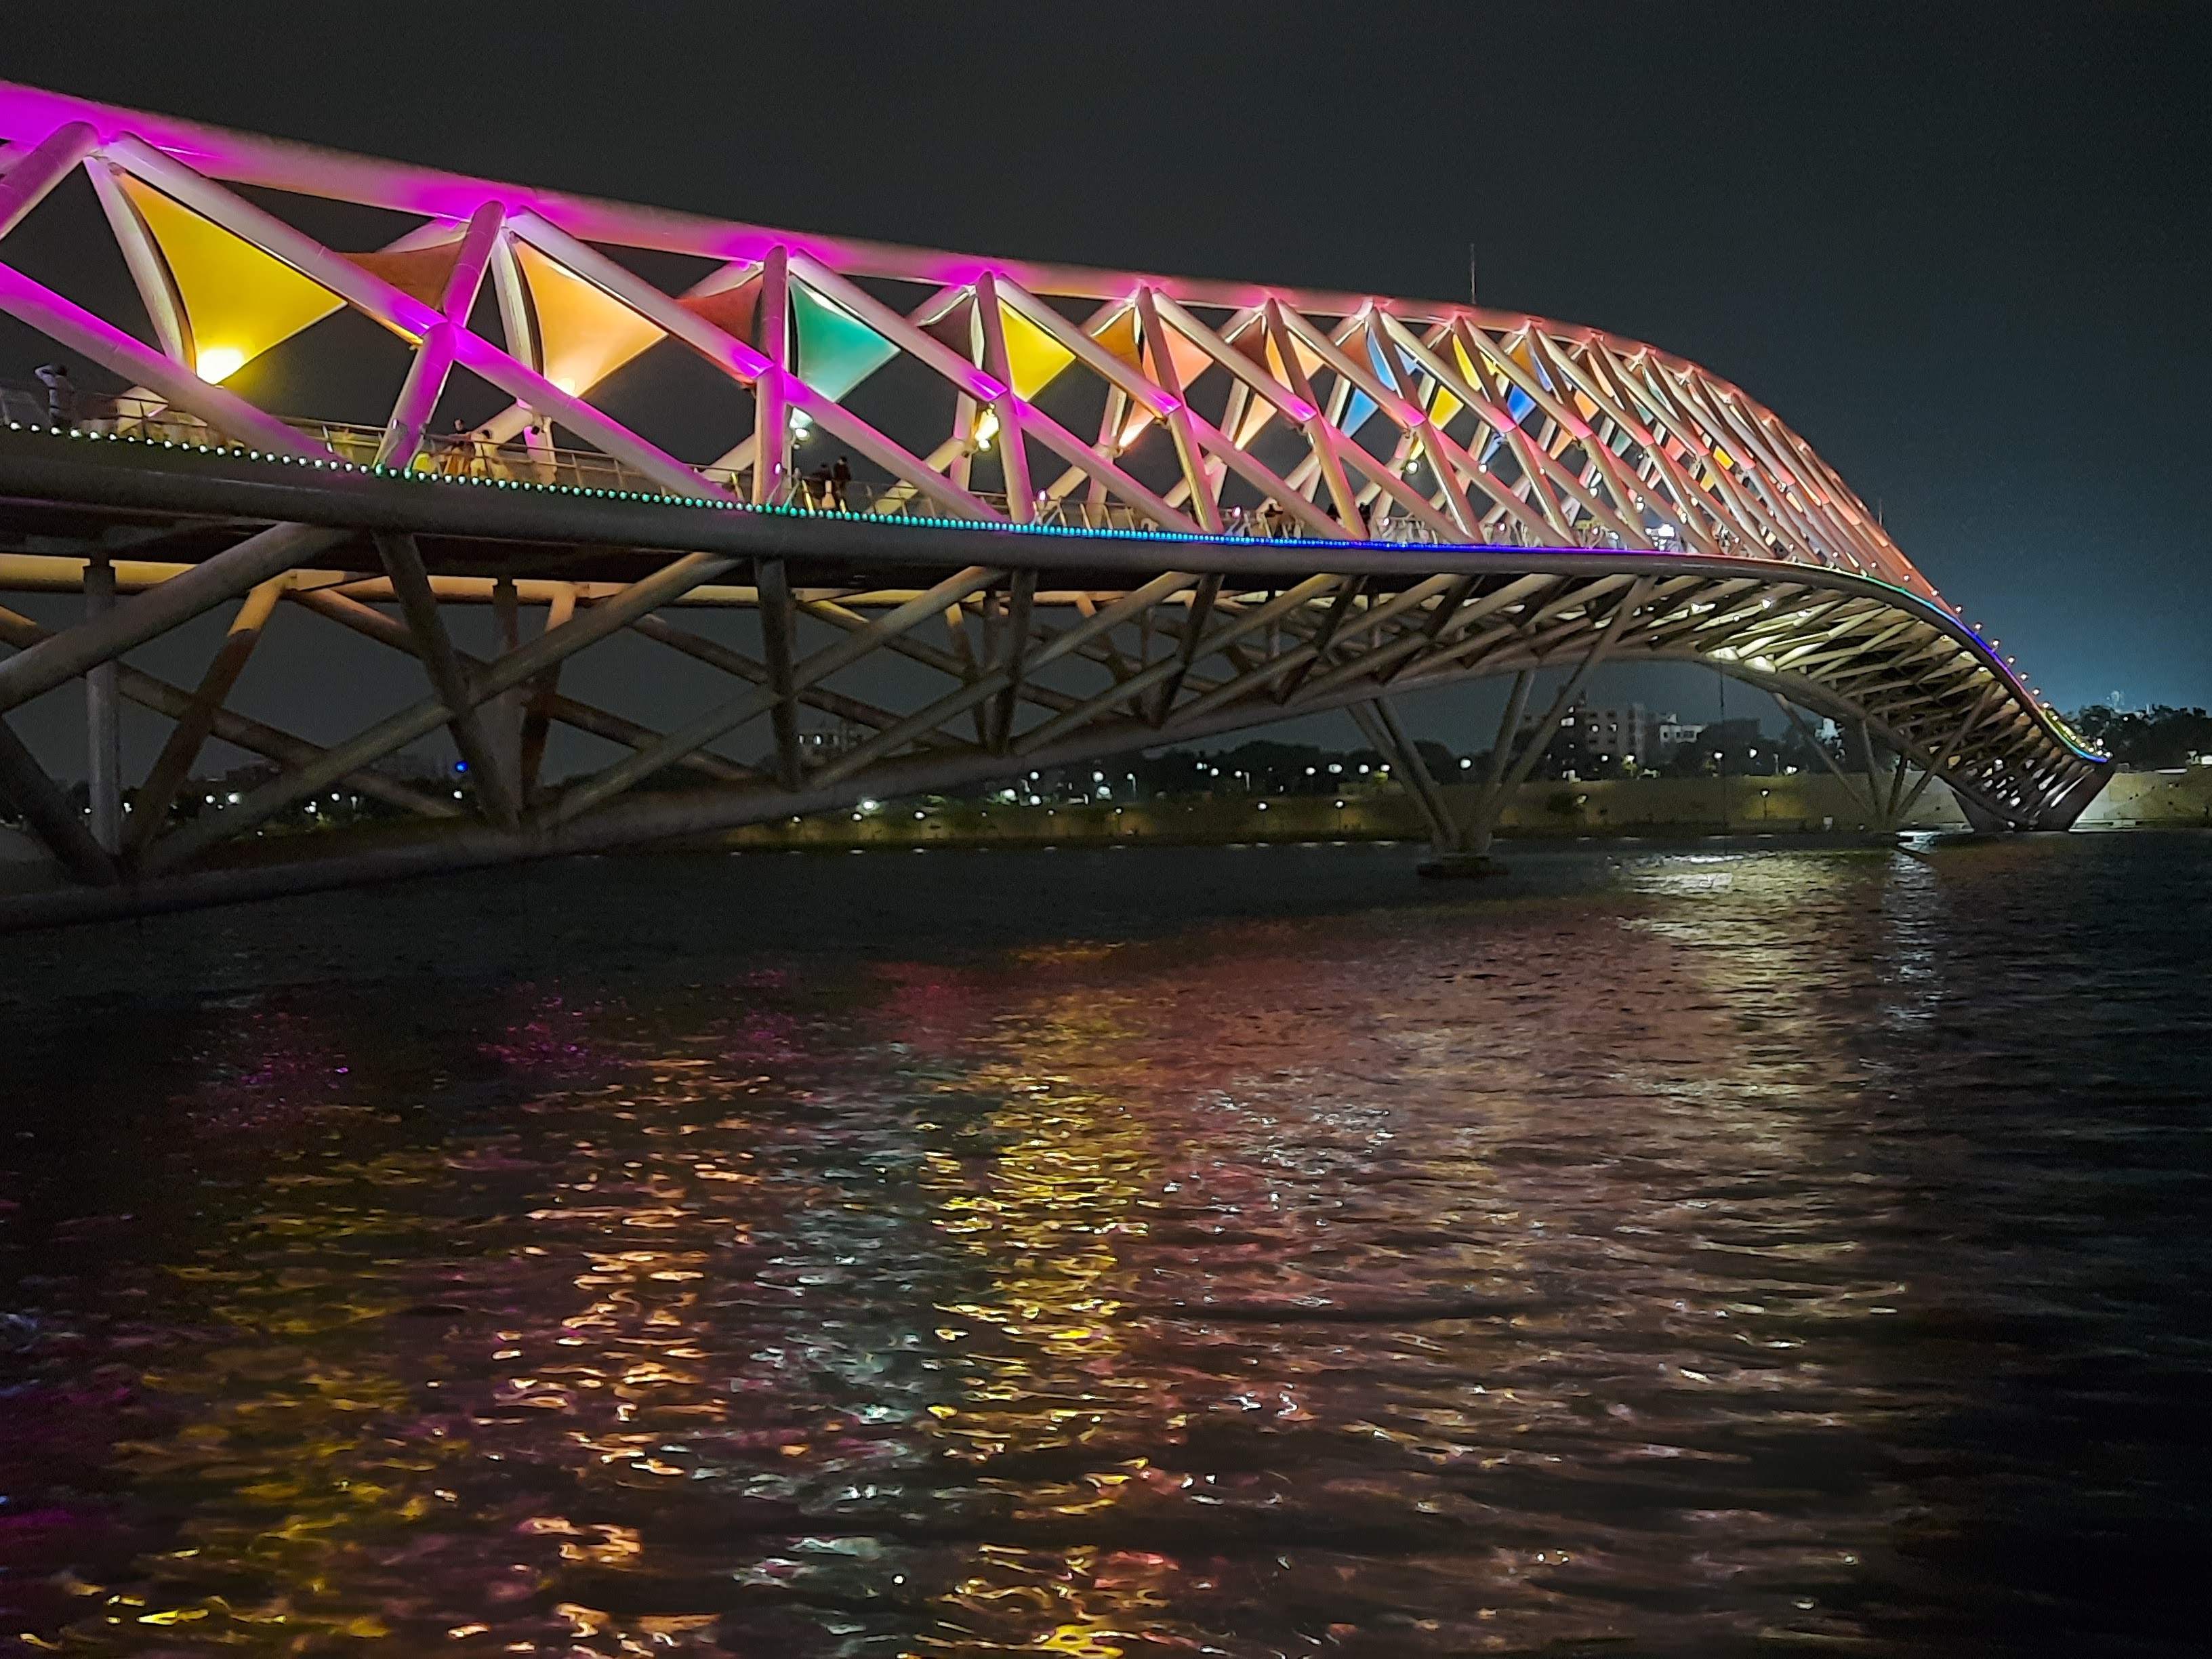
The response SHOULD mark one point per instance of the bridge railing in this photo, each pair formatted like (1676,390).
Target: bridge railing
(523,460)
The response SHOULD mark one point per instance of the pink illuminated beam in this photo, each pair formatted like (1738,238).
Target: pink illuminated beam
(74,327)
(733,356)
(29,113)
(434,358)
(142,257)
(1182,422)
(841,423)
(776,390)
(1292,406)
(41,170)
(528,387)
(982,387)
(372,295)
(1559,472)
(1014,453)
(407,316)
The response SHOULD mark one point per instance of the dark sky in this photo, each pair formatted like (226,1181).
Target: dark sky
(1963,247)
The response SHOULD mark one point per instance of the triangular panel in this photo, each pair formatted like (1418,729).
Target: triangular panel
(239,301)
(1443,405)
(837,351)
(1034,358)
(731,309)
(587,333)
(1361,407)
(1259,347)
(1190,360)
(1257,413)
(422,272)
(1120,337)
(1309,360)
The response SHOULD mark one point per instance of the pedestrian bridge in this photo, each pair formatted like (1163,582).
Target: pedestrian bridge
(979,516)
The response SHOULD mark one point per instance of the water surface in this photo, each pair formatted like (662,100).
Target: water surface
(1250,1252)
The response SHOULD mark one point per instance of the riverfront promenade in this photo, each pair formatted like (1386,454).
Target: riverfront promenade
(1805,803)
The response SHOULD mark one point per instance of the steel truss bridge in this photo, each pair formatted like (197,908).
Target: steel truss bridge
(1087,512)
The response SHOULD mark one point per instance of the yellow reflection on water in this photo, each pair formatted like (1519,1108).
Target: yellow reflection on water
(1072,1161)
(1569,1148)
(1044,1345)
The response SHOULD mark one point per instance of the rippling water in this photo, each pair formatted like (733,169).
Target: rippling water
(1238,1252)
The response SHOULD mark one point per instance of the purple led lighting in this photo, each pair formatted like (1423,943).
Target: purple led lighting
(62,320)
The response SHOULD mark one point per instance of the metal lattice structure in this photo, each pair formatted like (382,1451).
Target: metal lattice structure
(1104,510)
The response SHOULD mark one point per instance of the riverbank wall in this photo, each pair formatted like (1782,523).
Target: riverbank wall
(1802,805)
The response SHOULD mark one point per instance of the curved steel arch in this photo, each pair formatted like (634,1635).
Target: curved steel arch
(1144,507)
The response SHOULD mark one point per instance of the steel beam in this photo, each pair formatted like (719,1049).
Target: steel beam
(215,582)
(41,803)
(190,733)
(402,563)
(102,727)
(374,625)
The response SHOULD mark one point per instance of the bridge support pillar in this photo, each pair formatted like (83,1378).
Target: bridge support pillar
(479,748)
(190,732)
(103,735)
(1462,844)
(26,788)
(1979,818)
(2055,812)
(507,617)
(1379,724)
(1449,853)
(1860,787)
(2062,812)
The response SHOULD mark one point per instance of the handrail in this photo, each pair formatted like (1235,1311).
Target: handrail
(137,414)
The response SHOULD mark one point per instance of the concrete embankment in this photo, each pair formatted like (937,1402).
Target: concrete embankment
(1656,807)
(1802,805)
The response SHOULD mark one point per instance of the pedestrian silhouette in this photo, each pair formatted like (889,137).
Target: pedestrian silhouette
(61,396)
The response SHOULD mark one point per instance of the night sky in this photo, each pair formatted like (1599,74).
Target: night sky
(1961,247)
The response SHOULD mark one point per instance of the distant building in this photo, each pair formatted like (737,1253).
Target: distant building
(1594,741)
(820,746)
(415,766)
(1737,749)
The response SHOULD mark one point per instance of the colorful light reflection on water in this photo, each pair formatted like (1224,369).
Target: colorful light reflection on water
(1696,1254)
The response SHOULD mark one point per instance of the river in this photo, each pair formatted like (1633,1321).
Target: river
(1715,1248)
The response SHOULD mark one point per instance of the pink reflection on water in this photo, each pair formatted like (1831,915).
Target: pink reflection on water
(937,1009)
(763,1037)
(269,1067)
(550,1035)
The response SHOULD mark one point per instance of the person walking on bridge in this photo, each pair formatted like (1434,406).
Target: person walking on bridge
(61,395)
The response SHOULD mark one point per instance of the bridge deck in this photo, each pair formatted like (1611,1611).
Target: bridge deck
(1157,643)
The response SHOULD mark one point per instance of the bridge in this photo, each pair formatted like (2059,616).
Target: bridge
(985,516)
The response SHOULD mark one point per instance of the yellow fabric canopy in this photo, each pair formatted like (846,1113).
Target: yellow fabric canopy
(239,301)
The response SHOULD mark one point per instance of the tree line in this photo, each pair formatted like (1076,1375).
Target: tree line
(2154,738)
